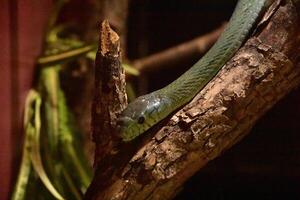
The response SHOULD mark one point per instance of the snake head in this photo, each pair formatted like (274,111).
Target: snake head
(139,116)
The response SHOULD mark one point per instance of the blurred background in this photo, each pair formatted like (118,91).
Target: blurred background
(264,165)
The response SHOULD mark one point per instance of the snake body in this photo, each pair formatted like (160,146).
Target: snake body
(147,110)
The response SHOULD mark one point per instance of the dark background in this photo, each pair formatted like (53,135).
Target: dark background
(155,25)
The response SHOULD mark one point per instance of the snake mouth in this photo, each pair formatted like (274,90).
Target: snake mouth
(123,123)
(128,129)
(125,128)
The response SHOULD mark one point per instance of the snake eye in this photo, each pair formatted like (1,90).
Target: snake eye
(141,119)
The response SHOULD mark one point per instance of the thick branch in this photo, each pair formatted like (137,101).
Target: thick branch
(264,70)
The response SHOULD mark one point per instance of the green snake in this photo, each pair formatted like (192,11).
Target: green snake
(146,111)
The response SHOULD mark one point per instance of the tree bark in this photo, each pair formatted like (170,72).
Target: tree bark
(262,72)
(82,77)
(109,95)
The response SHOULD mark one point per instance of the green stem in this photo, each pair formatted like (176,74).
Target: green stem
(71,185)
(64,56)
(85,178)
(35,154)
(69,152)
(53,17)
(25,167)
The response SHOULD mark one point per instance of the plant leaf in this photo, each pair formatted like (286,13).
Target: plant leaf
(35,153)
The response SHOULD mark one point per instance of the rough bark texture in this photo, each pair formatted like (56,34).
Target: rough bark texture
(109,95)
(264,70)
(81,78)
(115,11)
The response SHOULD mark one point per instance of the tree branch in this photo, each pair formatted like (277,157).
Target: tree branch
(176,54)
(109,95)
(263,71)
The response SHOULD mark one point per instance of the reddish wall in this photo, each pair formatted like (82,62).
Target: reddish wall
(5,102)
(22,25)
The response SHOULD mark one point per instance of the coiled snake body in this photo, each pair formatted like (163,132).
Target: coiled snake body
(147,110)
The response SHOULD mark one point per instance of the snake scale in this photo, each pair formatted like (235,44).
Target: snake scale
(147,110)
